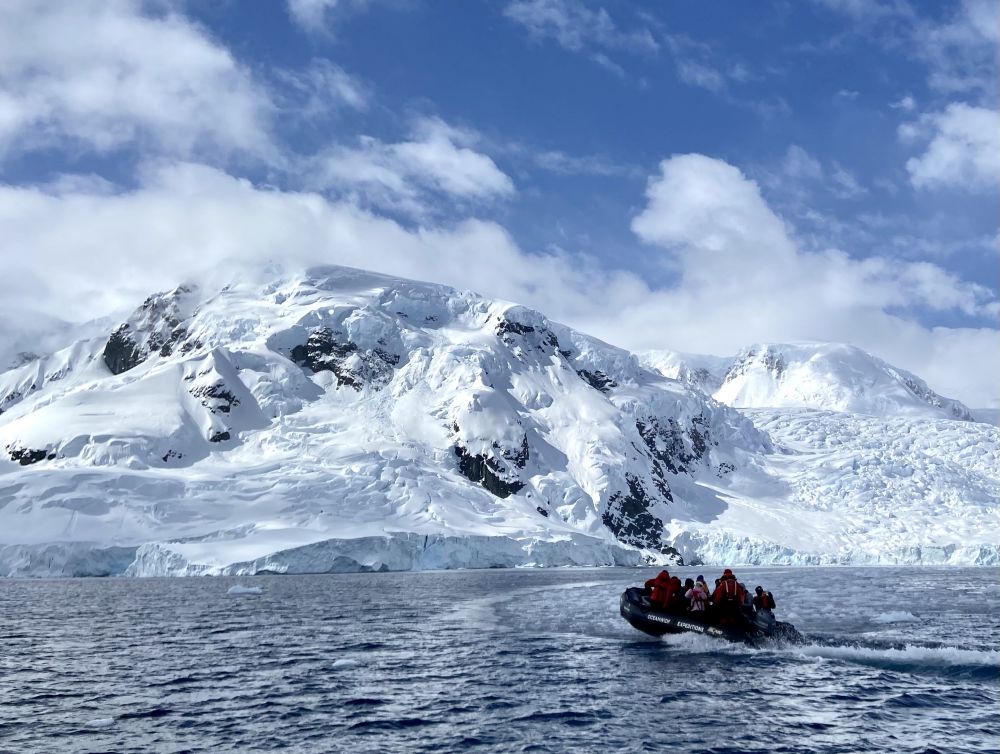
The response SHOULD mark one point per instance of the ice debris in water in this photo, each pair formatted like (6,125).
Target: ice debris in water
(345,664)
(101,722)
(895,616)
(240,589)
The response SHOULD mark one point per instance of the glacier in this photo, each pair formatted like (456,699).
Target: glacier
(340,420)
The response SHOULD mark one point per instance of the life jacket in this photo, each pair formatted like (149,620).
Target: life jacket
(698,598)
(727,591)
(764,601)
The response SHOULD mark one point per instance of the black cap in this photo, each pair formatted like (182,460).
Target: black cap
(758,589)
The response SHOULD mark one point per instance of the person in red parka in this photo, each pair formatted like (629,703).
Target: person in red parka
(675,596)
(727,599)
(660,586)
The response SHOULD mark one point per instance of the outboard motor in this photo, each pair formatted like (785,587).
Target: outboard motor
(765,620)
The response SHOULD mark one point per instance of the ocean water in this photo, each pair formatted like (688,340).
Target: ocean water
(898,660)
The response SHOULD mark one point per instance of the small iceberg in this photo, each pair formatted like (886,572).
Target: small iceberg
(897,616)
(240,589)
(345,664)
(101,722)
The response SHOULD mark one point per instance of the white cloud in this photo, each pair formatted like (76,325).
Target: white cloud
(103,75)
(962,50)
(439,158)
(701,75)
(320,88)
(964,148)
(906,103)
(845,185)
(578,28)
(319,16)
(743,277)
(561,163)
(707,212)
(310,14)
(798,163)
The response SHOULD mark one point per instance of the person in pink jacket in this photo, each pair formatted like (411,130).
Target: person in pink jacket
(698,597)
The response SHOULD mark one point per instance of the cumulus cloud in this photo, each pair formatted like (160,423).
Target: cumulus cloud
(963,149)
(438,159)
(743,278)
(102,74)
(962,49)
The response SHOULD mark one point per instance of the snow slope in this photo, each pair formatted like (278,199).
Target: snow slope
(341,420)
(824,376)
(222,429)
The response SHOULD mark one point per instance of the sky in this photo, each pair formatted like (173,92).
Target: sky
(688,176)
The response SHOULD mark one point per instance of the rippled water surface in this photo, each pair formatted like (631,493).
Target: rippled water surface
(898,660)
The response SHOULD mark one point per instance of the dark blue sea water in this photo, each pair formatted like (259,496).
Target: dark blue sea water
(899,660)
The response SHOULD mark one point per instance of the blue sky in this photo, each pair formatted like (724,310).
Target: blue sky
(664,175)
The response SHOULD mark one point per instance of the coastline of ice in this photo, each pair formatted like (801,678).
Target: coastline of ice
(398,552)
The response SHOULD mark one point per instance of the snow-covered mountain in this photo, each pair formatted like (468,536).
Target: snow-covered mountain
(342,420)
(824,376)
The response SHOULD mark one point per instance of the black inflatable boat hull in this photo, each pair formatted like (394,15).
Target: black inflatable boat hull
(635,608)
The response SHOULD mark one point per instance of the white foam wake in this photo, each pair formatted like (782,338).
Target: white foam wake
(907,655)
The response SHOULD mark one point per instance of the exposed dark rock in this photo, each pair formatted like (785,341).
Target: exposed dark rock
(28,456)
(9,400)
(541,510)
(518,457)
(931,398)
(665,443)
(506,327)
(598,380)
(772,361)
(122,353)
(725,468)
(487,472)
(328,351)
(699,436)
(171,454)
(219,436)
(517,334)
(628,517)
(216,398)
(155,327)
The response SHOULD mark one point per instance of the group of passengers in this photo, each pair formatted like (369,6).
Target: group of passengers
(729,604)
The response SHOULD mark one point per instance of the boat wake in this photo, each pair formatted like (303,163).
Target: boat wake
(907,658)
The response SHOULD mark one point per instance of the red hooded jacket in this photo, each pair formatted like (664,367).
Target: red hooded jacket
(661,588)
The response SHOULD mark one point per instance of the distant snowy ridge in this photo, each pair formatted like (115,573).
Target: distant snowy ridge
(825,376)
(345,421)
